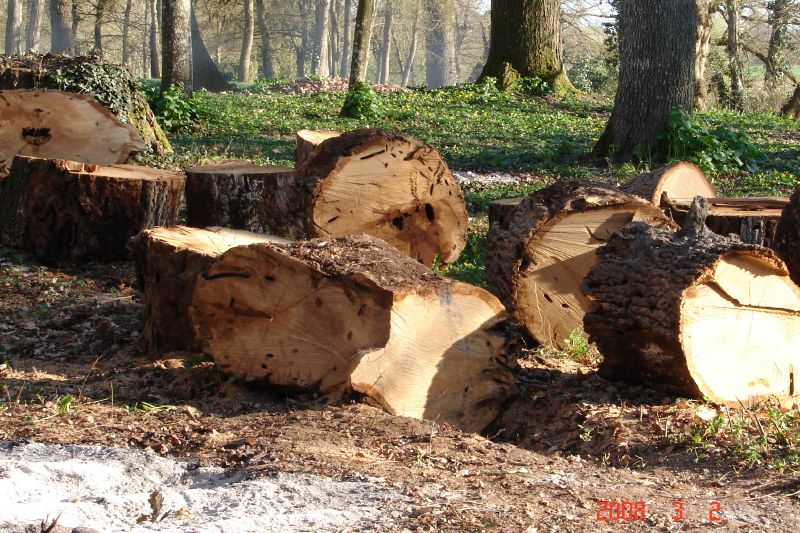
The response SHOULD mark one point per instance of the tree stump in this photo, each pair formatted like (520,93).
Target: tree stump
(61,125)
(355,314)
(168,261)
(366,181)
(307,141)
(538,255)
(679,180)
(65,211)
(754,220)
(112,86)
(239,194)
(787,236)
(699,314)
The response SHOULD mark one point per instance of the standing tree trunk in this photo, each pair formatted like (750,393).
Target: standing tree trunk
(266,48)
(247,42)
(205,73)
(176,44)
(440,44)
(126,33)
(776,52)
(412,47)
(301,52)
(34,25)
(99,13)
(76,21)
(388,15)
(14,27)
(333,40)
(346,45)
(526,41)
(361,41)
(655,76)
(734,62)
(792,108)
(705,18)
(319,64)
(60,32)
(155,53)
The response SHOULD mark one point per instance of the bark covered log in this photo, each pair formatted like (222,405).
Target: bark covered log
(538,254)
(787,236)
(678,180)
(62,125)
(65,211)
(112,86)
(366,181)
(355,314)
(696,313)
(168,262)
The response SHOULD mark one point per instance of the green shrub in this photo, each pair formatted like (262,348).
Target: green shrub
(591,74)
(174,110)
(362,102)
(715,150)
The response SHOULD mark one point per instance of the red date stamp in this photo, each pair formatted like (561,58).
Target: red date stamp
(628,511)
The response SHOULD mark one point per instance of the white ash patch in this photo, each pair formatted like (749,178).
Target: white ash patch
(468,177)
(107,489)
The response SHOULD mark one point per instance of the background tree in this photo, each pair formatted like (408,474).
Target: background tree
(60,30)
(34,25)
(440,44)
(656,54)
(13,27)
(358,63)
(320,63)
(526,41)
(247,42)
(706,9)
(176,44)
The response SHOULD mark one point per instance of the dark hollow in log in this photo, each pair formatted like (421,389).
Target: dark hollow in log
(65,211)
(168,261)
(354,313)
(538,254)
(695,313)
(307,141)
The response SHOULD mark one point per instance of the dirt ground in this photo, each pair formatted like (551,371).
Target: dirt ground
(566,454)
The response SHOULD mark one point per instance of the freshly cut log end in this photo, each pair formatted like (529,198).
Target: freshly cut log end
(389,186)
(697,314)
(356,314)
(677,180)
(308,140)
(168,261)
(538,255)
(753,220)
(64,211)
(241,195)
(787,236)
(61,125)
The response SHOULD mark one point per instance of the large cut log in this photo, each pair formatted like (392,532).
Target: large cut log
(787,236)
(307,141)
(239,194)
(355,314)
(168,261)
(112,85)
(64,211)
(677,180)
(754,220)
(538,255)
(366,181)
(699,314)
(61,125)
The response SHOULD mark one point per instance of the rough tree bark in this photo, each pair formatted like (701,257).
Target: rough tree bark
(347,47)
(706,9)
(695,313)
(526,41)
(65,211)
(787,237)
(778,18)
(13,27)
(388,16)
(657,41)
(440,44)
(792,108)
(155,42)
(126,33)
(34,26)
(99,15)
(319,64)
(735,69)
(60,31)
(176,44)
(361,40)
(247,42)
(266,47)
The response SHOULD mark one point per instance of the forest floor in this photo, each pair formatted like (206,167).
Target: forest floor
(566,447)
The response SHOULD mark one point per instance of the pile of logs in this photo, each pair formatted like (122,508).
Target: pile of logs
(700,313)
